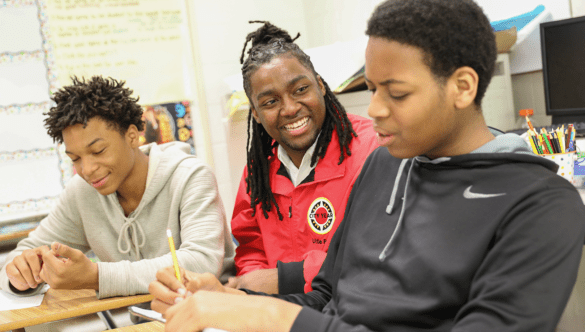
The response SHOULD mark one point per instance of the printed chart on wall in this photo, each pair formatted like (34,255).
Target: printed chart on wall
(44,43)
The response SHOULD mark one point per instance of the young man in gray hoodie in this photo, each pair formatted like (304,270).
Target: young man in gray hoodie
(120,204)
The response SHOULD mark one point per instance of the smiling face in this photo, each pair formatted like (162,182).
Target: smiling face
(413,113)
(101,155)
(288,100)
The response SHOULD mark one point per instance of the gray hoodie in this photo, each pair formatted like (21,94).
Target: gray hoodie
(181,194)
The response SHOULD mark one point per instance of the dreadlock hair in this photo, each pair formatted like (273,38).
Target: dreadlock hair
(269,42)
(83,100)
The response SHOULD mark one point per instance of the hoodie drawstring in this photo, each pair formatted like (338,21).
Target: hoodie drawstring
(131,241)
(390,206)
(395,189)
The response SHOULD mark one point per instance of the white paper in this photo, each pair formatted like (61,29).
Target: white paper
(148,314)
(337,62)
(13,302)
(153,315)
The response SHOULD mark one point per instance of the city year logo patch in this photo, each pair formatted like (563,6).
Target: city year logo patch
(321,215)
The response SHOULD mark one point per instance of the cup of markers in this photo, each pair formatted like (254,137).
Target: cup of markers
(557,145)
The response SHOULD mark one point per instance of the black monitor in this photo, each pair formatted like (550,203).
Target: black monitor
(563,67)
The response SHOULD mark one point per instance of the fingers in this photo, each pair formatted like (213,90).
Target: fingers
(159,306)
(54,264)
(24,270)
(168,278)
(59,254)
(232,282)
(62,250)
(182,317)
(16,278)
(163,294)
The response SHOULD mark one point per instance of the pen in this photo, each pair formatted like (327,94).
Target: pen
(174,254)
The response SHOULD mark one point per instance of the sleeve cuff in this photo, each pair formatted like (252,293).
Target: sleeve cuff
(310,320)
(291,279)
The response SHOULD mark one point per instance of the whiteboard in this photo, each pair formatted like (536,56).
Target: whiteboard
(43,43)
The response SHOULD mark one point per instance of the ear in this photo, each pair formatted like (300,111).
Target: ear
(255,114)
(133,136)
(464,81)
(321,85)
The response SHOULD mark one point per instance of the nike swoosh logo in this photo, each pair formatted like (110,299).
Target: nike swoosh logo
(469,195)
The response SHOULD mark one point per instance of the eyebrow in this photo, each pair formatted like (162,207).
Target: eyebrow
(90,144)
(386,82)
(291,82)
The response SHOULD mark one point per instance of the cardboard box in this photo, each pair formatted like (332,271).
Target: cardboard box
(505,39)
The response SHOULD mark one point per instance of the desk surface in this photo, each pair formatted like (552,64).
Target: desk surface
(146,327)
(63,304)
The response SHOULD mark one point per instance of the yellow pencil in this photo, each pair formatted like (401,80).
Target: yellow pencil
(561,137)
(174,254)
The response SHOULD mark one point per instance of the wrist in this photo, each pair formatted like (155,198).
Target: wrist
(284,314)
(95,277)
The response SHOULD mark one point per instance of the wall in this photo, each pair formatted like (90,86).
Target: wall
(528,89)
(577,7)
(330,21)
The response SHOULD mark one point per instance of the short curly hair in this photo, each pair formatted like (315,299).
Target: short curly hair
(451,33)
(83,100)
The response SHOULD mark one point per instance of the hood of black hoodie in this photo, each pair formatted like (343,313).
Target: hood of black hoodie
(504,149)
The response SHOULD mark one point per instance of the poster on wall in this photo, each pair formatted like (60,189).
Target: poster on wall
(167,123)
(134,41)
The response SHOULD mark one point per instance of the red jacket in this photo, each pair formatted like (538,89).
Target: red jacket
(312,212)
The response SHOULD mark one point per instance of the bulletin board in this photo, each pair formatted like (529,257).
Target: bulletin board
(44,43)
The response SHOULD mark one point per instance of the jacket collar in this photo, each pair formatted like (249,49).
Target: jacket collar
(326,169)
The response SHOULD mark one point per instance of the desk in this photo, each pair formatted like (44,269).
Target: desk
(63,304)
(146,327)
(15,235)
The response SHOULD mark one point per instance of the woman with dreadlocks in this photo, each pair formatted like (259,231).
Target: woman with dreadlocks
(304,154)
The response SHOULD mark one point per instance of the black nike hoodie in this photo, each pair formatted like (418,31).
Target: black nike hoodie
(487,241)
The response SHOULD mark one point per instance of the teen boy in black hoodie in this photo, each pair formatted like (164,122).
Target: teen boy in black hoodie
(450,227)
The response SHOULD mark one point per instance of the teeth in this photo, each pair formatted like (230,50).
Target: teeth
(297,124)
